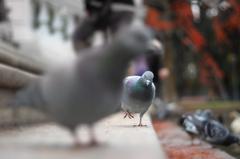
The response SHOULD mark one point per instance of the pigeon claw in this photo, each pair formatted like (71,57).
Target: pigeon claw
(128,114)
(141,125)
(125,115)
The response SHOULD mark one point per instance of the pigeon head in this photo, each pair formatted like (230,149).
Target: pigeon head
(147,78)
(181,120)
(134,40)
(148,75)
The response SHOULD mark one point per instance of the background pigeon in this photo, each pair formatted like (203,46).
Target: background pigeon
(193,122)
(87,89)
(235,124)
(203,123)
(215,133)
(164,110)
(138,94)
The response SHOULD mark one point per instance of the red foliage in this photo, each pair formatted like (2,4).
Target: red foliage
(209,69)
(196,37)
(219,31)
(182,9)
(154,20)
(234,20)
(184,21)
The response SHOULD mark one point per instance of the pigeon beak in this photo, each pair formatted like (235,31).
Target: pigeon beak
(148,82)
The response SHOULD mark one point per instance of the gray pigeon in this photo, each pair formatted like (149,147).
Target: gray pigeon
(88,88)
(204,124)
(138,94)
(216,133)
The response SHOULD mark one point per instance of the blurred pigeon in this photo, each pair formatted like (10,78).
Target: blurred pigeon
(205,114)
(208,114)
(215,133)
(203,123)
(138,94)
(187,122)
(191,125)
(164,110)
(235,124)
(193,122)
(198,118)
(88,88)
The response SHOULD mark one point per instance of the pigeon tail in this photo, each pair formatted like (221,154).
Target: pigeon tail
(232,139)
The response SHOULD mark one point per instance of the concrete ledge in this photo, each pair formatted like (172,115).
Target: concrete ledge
(5,95)
(10,117)
(14,78)
(12,57)
(118,138)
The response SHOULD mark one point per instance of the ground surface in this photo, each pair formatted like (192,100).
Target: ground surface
(118,139)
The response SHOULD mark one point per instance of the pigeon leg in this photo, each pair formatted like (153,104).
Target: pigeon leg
(140,122)
(196,142)
(130,115)
(191,140)
(77,143)
(93,141)
(126,114)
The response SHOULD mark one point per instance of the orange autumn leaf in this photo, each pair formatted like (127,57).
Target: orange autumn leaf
(154,20)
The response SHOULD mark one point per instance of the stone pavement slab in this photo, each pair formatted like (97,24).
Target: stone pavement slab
(117,136)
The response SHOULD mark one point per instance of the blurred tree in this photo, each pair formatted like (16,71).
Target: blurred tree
(210,28)
(159,17)
(36,7)
(3,11)
(51,18)
(64,27)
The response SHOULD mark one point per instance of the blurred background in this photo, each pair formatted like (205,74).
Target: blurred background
(200,40)
(198,65)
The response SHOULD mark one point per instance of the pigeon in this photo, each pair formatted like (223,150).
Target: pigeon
(191,125)
(215,133)
(188,122)
(164,110)
(138,94)
(193,122)
(198,119)
(235,123)
(204,114)
(203,123)
(87,88)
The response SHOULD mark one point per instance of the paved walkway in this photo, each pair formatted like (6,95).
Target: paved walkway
(117,136)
